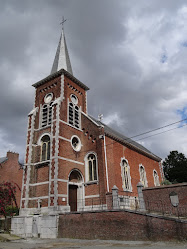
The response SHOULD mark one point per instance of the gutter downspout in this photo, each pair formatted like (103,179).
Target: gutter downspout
(106,165)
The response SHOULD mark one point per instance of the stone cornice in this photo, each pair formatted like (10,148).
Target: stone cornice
(60,72)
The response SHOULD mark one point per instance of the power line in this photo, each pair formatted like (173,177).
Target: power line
(161,132)
(159,128)
(131,142)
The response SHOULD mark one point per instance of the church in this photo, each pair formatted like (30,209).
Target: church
(72,159)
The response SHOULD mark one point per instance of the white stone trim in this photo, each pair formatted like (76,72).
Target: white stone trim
(161,170)
(36,198)
(86,167)
(39,183)
(69,160)
(34,111)
(51,150)
(128,175)
(63,138)
(56,153)
(141,180)
(62,195)
(61,180)
(40,138)
(33,145)
(40,117)
(23,177)
(79,142)
(38,163)
(86,102)
(156,181)
(80,190)
(91,196)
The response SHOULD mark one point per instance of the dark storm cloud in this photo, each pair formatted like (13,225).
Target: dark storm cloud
(115,48)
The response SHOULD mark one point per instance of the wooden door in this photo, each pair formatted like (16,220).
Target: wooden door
(73,197)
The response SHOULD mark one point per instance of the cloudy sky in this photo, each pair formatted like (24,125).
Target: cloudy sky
(132,55)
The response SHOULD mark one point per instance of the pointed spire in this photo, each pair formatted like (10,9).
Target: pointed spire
(62,60)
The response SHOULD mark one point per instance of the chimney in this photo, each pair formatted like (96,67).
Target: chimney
(12,155)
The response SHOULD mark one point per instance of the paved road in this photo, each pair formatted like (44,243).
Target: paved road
(87,244)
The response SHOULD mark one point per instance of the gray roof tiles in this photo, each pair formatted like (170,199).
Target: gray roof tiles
(3,159)
(123,139)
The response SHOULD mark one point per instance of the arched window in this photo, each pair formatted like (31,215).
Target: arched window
(46,114)
(156,178)
(74,115)
(125,173)
(45,148)
(91,168)
(143,178)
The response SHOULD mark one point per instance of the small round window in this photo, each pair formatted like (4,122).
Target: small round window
(74,99)
(48,98)
(76,143)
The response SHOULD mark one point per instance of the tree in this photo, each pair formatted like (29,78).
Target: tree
(7,199)
(175,167)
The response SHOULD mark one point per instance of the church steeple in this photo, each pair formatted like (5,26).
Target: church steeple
(62,60)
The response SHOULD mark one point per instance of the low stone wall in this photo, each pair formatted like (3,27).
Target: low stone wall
(43,226)
(159,199)
(120,225)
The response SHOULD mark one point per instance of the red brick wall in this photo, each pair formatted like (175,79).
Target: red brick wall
(10,171)
(120,225)
(115,151)
(158,198)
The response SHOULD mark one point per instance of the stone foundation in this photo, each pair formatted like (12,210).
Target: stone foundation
(43,226)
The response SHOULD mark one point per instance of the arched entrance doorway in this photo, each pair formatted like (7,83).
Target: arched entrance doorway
(75,190)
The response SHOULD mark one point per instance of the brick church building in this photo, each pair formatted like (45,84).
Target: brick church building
(72,159)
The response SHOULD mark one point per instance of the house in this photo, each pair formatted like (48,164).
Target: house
(72,160)
(11,171)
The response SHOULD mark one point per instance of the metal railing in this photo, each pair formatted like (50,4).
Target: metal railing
(88,204)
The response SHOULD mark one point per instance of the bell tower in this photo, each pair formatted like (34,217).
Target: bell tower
(59,100)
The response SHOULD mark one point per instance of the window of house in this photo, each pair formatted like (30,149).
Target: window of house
(91,168)
(143,178)
(76,143)
(156,178)
(125,173)
(46,114)
(74,115)
(45,148)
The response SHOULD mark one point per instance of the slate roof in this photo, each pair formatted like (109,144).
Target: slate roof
(3,159)
(125,140)
(62,59)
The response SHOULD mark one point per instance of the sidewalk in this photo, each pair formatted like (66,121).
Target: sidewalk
(8,237)
(35,243)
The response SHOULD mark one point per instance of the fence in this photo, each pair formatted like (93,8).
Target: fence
(112,201)
(88,204)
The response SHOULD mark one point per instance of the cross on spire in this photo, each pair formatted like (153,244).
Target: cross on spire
(62,60)
(63,21)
